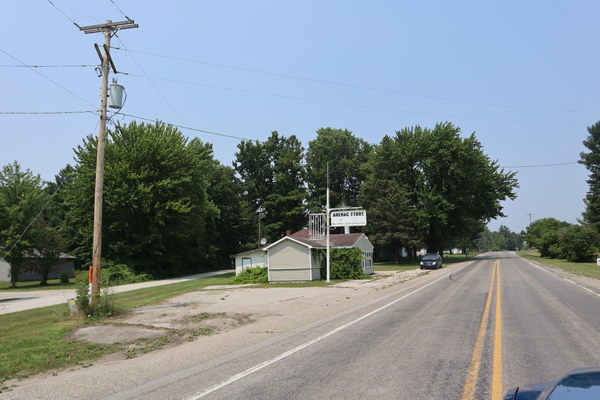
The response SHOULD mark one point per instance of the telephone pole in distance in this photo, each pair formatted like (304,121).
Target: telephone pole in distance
(108,30)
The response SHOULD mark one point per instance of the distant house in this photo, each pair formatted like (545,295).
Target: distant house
(66,264)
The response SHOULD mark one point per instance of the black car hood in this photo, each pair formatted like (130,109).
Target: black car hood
(579,384)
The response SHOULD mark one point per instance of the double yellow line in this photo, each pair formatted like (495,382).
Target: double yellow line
(496,392)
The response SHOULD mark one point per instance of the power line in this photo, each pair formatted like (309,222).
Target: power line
(121,11)
(351,85)
(47,78)
(350,104)
(540,165)
(65,15)
(186,127)
(46,112)
(150,80)
(49,66)
(38,214)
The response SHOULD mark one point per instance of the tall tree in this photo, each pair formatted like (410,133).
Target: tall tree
(22,197)
(393,215)
(48,245)
(156,206)
(272,174)
(347,156)
(449,181)
(591,160)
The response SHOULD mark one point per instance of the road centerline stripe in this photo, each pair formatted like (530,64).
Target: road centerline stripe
(497,392)
(473,374)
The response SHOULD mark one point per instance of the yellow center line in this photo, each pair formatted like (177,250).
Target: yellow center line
(497,360)
(472,376)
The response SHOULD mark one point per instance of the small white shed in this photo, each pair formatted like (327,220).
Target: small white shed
(250,259)
(292,258)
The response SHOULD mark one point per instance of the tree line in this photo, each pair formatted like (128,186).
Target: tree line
(171,208)
(581,241)
(501,240)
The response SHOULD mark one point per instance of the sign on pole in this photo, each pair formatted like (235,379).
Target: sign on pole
(349,218)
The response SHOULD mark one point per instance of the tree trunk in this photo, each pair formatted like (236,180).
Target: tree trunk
(45,272)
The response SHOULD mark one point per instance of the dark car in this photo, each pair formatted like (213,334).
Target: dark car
(579,384)
(431,261)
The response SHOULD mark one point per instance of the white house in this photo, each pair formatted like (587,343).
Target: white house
(66,265)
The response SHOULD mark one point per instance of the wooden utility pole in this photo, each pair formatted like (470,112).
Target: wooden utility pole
(108,30)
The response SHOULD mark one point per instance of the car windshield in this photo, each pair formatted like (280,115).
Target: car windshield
(432,257)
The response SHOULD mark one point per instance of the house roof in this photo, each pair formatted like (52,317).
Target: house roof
(36,253)
(250,251)
(335,240)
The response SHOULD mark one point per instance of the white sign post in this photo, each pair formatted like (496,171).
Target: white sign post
(354,217)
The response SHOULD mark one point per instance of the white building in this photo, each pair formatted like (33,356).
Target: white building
(293,257)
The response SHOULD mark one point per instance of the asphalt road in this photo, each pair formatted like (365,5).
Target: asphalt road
(463,332)
(445,341)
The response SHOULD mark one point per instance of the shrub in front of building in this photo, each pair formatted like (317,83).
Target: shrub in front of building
(346,263)
(251,275)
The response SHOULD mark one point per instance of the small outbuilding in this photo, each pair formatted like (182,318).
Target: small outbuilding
(250,259)
(292,258)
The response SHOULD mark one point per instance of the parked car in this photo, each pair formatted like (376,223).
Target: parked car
(578,384)
(431,261)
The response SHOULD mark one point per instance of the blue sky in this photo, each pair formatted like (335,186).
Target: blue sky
(540,58)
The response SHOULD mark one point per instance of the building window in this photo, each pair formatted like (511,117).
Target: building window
(246,263)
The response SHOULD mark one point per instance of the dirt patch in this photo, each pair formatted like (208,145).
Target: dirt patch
(110,334)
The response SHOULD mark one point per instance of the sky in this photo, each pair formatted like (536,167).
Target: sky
(522,75)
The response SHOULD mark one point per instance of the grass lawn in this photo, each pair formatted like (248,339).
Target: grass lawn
(38,340)
(412,264)
(53,284)
(589,269)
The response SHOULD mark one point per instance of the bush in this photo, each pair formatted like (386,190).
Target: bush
(543,234)
(104,307)
(251,275)
(119,274)
(578,243)
(346,263)
(64,277)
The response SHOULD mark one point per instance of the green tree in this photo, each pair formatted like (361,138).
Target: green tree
(156,206)
(543,234)
(394,220)
(347,156)
(579,243)
(47,247)
(451,185)
(272,174)
(22,197)
(591,160)
(56,210)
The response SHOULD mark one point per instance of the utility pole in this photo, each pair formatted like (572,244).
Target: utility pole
(108,30)
(530,215)
(327,225)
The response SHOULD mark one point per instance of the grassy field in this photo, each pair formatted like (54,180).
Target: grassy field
(586,269)
(38,340)
(412,264)
(53,284)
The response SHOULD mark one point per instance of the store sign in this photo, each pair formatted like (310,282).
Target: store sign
(349,218)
